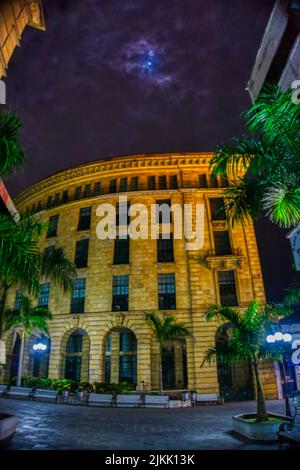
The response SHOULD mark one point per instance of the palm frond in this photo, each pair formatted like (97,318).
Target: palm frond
(243,200)
(282,205)
(11,153)
(293,295)
(59,269)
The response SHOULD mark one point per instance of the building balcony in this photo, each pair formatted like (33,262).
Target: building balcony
(224,261)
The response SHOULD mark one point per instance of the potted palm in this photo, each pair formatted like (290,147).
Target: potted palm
(247,342)
(165,329)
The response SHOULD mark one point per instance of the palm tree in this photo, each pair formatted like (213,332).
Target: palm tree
(11,153)
(26,321)
(247,340)
(165,330)
(265,165)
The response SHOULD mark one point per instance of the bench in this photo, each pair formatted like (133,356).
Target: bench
(205,398)
(3,389)
(42,394)
(22,392)
(156,401)
(128,400)
(100,399)
(290,434)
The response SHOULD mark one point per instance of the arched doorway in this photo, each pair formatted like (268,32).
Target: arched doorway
(235,380)
(41,356)
(120,356)
(76,364)
(174,365)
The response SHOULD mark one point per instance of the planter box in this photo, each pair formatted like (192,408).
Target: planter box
(267,431)
(8,425)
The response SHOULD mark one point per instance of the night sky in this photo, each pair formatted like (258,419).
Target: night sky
(113,77)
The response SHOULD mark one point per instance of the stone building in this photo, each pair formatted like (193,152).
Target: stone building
(14,16)
(99,333)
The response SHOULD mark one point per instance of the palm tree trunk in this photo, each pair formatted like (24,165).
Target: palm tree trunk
(21,355)
(262,414)
(160,370)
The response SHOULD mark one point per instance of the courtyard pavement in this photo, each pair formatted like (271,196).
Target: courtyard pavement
(57,427)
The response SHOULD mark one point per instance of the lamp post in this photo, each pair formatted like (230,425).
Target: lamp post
(279,337)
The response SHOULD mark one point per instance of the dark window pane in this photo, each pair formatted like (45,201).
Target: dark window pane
(65,196)
(84,218)
(151,182)
(134,182)
(73,368)
(78,295)
(121,252)
(165,250)
(224,182)
(49,202)
(87,191)
(52,227)
(113,186)
(213,181)
(222,243)
(81,253)
(97,188)
(203,181)
(166,291)
(173,182)
(120,293)
(56,201)
(17,305)
(78,192)
(127,369)
(123,185)
(162,182)
(44,294)
(128,342)
(227,288)
(74,343)
(122,214)
(107,369)
(217,208)
(163,213)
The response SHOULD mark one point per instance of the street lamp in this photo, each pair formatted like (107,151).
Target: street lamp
(279,337)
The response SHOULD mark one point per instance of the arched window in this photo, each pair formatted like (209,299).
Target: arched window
(121,356)
(77,356)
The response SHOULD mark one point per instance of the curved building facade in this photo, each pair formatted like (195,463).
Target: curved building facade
(99,333)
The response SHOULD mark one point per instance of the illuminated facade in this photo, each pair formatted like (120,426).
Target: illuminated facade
(99,333)
(14,16)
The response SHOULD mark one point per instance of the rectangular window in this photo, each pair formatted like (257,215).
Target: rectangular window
(81,253)
(162,182)
(203,181)
(123,185)
(166,292)
(97,188)
(224,182)
(213,181)
(163,212)
(222,243)
(227,288)
(18,299)
(134,183)
(65,196)
(78,192)
(84,222)
(120,293)
(127,368)
(78,295)
(121,252)
(122,214)
(165,250)
(151,182)
(44,294)
(49,201)
(173,182)
(52,227)
(87,191)
(217,208)
(56,199)
(39,206)
(113,186)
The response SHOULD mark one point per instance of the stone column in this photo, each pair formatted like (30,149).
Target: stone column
(143,363)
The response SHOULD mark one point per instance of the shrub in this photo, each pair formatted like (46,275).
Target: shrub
(114,388)
(86,386)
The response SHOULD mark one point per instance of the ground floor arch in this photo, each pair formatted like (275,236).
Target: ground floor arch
(120,356)
(75,355)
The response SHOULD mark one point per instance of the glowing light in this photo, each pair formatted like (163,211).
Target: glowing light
(39,347)
(271,339)
(287,337)
(278,336)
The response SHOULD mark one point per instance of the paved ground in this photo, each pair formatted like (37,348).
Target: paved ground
(50,426)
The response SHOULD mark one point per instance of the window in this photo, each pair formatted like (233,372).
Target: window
(19,294)
(39,206)
(56,199)
(123,185)
(203,181)
(162,182)
(48,250)
(49,201)
(128,342)
(65,196)
(122,214)
(84,222)
(227,288)
(120,293)
(52,227)
(127,368)
(113,186)
(78,192)
(165,250)
(121,252)
(44,294)
(87,191)
(163,213)
(78,295)
(217,208)
(134,183)
(74,343)
(97,188)
(173,182)
(151,182)
(222,243)
(213,181)
(81,253)
(166,292)
(224,182)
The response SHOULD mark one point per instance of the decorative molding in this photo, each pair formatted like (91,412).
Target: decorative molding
(220,263)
